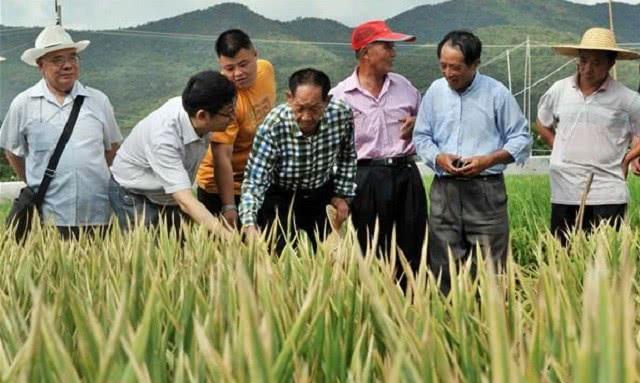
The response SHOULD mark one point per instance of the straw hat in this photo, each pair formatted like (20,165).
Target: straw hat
(52,38)
(600,39)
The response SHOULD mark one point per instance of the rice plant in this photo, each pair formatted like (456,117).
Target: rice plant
(147,307)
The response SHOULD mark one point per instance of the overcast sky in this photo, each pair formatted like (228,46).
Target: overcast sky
(104,14)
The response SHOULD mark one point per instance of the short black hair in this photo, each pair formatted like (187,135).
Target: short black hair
(468,43)
(208,91)
(612,56)
(230,42)
(310,76)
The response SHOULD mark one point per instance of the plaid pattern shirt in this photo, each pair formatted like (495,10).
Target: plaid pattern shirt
(283,156)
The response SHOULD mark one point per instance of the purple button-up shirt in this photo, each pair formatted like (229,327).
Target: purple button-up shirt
(378,119)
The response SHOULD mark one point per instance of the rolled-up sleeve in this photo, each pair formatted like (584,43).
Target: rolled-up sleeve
(514,128)
(12,136)
(345,178)
(258,173)
(423,133)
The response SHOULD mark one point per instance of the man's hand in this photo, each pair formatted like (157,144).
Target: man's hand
(406,130)
(250,232)
(342,210)
(475,165)
(635,166)
(446,162)
(199,213)
(231,216)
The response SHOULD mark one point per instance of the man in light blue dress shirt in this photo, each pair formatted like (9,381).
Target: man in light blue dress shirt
(469,127)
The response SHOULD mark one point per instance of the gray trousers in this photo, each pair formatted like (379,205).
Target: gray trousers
(467,212)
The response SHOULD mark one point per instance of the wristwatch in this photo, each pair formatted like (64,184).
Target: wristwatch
(226,208)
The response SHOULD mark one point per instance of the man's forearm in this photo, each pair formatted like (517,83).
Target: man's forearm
(224,181)
(110,154)
(196,210)
(500,157)
(223,170)
(17,164)
(546,134)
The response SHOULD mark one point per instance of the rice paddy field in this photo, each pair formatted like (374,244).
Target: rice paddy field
(143,307)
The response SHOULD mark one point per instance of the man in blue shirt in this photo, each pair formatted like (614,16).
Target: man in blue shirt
(469,127)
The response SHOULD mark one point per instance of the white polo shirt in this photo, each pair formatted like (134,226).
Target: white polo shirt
(592,136)
(161,154)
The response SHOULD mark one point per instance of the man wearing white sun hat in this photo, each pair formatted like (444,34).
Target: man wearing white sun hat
(589,120)
(77,195)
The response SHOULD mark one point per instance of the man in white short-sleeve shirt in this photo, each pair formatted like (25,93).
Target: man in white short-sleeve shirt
(77,196)
(589,120)
(155,168)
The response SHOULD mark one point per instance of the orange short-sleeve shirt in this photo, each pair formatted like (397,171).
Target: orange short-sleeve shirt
(252,106)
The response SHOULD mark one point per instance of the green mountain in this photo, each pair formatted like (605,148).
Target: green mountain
(140,67)
(431,22)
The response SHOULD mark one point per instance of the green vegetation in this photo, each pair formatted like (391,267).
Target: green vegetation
(142,307)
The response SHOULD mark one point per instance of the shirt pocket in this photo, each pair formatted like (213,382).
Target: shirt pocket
(363,129)
(88,132)
(42,136)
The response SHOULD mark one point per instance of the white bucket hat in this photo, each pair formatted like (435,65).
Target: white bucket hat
(601,39)
(52,38)
(2,58)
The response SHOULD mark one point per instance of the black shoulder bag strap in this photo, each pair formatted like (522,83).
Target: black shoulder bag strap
(50,171)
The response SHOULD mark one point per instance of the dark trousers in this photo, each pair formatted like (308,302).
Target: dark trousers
(308,212)
(73,232)
(213,203)
(563,218)
(465,213)
(395,196)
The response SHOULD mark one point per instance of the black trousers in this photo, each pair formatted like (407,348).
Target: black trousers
(395,196)
(563,218)
(308,212)
(212,201)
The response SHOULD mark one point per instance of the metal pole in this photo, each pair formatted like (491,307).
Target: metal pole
(58,10)
(615,72)
(509,70)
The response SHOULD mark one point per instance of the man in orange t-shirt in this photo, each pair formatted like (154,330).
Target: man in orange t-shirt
(221,170)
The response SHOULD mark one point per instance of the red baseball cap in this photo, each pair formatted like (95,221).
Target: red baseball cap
(375,30)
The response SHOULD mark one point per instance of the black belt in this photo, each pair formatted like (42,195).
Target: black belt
(469,178)
(391,161)
(321,191)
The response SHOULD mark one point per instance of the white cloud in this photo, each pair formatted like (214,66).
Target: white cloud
(104,14)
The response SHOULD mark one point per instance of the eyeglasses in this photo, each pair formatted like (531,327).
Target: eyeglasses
(61,60)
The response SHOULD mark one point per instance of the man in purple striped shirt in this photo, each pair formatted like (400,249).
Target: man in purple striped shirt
(384,104)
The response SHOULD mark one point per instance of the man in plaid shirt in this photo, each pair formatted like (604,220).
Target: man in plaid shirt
(303,152)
